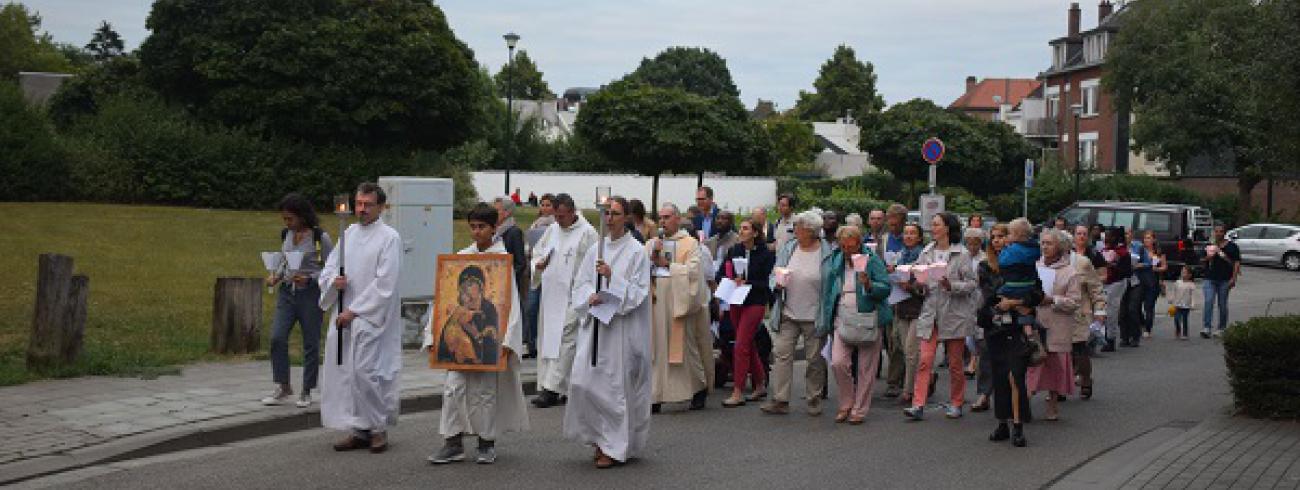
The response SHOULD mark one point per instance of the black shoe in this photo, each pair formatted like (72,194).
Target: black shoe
(1001,433)
(1205,335)
(546,398)
(1109,347)
(698,401)
(1018,435)
(1124,343)
(654,408)
(563,400)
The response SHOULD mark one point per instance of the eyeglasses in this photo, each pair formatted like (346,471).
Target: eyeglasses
(615,213)
(665,216)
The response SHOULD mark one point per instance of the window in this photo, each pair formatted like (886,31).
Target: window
(1160,223)
(1116,218)
(1058,55)
(1088,153)
(1250,232)
(1053,106)
(1279,233)
(1089,95)
(1076,216)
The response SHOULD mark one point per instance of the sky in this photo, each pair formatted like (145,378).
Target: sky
(774,48)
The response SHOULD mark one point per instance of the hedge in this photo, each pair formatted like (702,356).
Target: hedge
(1263,358)
(31,161)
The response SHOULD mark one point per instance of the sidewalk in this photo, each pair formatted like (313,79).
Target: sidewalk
(1222,452)
(57,425)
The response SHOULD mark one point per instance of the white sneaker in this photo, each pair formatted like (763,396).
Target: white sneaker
(304,400)
(280,395)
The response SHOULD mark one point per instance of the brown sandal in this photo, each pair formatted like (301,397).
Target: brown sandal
(856,419)
(841,416)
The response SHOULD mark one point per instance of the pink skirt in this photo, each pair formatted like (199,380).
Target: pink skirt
(1056,374)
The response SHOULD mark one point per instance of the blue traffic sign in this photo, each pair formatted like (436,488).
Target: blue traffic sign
(932,150)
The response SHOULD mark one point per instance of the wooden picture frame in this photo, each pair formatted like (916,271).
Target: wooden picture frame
(469,337)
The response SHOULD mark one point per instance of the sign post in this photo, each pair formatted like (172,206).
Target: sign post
(1029,182)
(933,203)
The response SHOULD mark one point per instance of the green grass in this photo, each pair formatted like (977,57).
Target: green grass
(151,269)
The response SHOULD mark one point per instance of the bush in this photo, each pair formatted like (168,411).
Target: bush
(879,184)
(31,160)
(1263,357)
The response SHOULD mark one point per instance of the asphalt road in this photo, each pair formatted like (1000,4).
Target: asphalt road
(1163,382)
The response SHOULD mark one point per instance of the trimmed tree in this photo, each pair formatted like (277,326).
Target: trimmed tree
(843,84)
(696,70)
(527,80)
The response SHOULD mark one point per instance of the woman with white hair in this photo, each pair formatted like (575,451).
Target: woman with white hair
(796,312)
(1056,312)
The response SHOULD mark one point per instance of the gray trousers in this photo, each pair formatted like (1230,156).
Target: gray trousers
(302,306)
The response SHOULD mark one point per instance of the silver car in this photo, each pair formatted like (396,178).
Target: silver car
(1267,243)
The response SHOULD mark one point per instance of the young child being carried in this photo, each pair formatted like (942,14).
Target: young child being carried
(1017,262)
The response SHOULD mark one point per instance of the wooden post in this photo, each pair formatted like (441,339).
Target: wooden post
(236,315)
(59,323)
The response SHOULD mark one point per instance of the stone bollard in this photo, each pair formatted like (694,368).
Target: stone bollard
(236,315)
(59,323)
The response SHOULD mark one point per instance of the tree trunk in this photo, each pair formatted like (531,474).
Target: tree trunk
(236,315)
(654,197)
(1246,182)
(59,323)
(699,180)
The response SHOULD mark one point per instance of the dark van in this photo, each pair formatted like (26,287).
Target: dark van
(1182,230)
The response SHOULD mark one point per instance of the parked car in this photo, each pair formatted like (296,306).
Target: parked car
(1267,243)
(1182,230)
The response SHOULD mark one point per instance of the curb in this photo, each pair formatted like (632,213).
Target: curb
(1117,464)
(194,436)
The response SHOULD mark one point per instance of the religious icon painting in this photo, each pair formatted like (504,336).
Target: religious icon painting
(471,311)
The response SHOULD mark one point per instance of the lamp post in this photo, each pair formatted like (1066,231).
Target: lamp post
(1077,110)
(511,39)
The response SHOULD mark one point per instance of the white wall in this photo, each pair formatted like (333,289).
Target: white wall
(731,193)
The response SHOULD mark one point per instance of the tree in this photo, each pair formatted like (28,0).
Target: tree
(527,80)
(794,146)
(695,70)
(843,84)
(21,49)
(984,157)
(354,72)
(106,43)
(83,94)
(652,130)
(33,163)
(1190,71)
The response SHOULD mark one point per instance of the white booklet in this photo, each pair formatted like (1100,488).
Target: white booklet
(607,308)
(728,292)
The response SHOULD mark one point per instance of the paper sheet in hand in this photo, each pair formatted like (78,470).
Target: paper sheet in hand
(730,293)
(1048,276)
(607,308)
(739,295)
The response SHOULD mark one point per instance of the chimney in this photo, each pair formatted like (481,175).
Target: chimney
(1074,20)
(1103,10)
(970,84)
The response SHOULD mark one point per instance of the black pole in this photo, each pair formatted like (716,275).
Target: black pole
(1078,162)
(510,114)
(338,357)
(600,255)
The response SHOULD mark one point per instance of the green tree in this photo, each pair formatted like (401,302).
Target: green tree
(352,72)
(106,43)
(33,164)
(527,80)
(21,48)
(82,95)
(696,70)
(1190,71)
(843,84)
(794,146)
(984,157)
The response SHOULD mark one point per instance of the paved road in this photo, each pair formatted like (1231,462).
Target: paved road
(1165,383)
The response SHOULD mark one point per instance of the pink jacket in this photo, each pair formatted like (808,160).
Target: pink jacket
(1059,317)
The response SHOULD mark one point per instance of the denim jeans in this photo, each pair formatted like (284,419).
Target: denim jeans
(1149,296)
(531,311)
(301,305)
(1180,320)
(1216,294)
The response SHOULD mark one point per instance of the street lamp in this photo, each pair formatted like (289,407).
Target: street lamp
(1077,110)
(511,39)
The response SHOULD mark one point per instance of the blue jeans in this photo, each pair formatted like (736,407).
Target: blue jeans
(303,306)
(1149,296)
(531,311)
(1180,321)
(1216,292)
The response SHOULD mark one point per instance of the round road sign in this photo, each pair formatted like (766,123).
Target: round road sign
(932,150)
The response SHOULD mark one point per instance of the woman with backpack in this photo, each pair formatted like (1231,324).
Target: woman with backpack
(297,298)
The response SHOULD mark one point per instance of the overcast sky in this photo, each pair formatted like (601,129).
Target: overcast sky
(920,48)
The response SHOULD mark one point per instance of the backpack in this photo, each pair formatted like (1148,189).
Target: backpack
(316,236)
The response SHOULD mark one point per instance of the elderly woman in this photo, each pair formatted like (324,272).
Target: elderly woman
(948,313)
(1057,313)
(1092,306)
(796,313)
(851,301)
(1006,343)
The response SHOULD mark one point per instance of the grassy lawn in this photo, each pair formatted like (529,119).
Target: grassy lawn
(152,270)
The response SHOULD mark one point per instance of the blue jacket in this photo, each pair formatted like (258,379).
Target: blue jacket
(698,221)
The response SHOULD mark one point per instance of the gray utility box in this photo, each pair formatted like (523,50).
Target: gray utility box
(420,209)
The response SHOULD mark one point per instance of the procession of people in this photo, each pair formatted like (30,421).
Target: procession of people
(652,313)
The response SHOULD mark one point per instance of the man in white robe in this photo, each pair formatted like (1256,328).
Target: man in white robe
(480,403)
(609,400)
(555,260)
(681,340)
(359,392)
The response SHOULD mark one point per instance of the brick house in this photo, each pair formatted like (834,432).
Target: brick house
(1074,80)
(990,98)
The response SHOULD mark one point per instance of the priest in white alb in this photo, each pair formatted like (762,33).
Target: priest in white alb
(681,341)
(609,400)
(555,263)
(359,390)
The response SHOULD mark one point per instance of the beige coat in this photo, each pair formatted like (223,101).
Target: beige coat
(953,311)
(681,343)
(1093,298)
(1060,318)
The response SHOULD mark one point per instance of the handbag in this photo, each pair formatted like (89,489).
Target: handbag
(857,328)
(1035,354)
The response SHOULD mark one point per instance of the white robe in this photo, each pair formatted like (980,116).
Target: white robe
(609,403)
(486,404)
(557,323)
(361,393)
